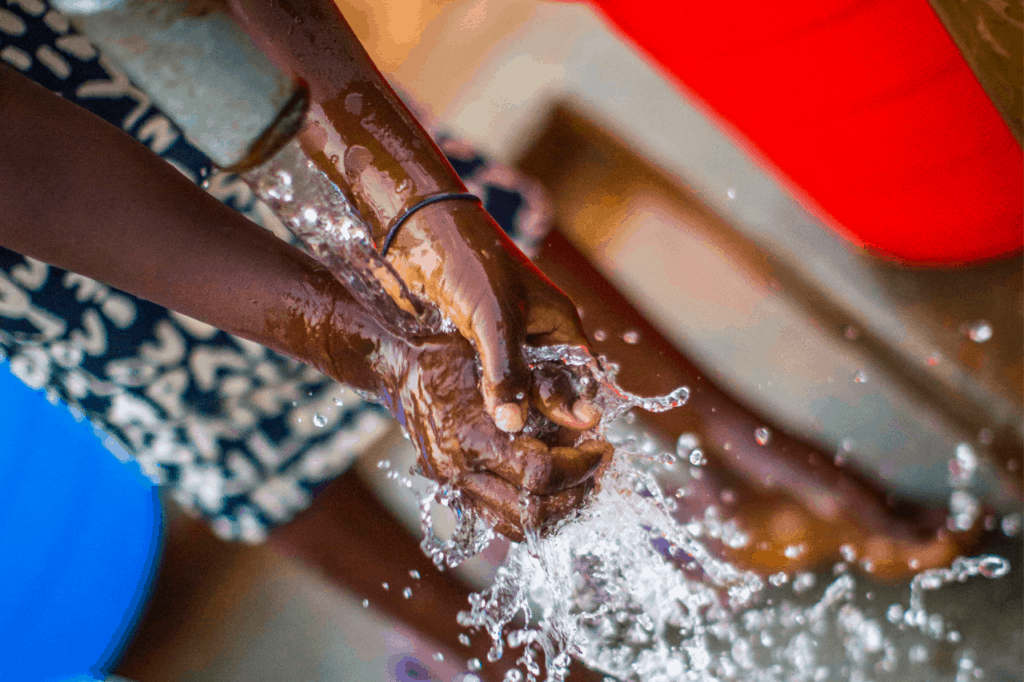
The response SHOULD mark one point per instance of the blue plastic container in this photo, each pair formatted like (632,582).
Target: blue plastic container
(79,539)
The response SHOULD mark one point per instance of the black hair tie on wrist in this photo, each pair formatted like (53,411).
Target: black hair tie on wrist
(393,232)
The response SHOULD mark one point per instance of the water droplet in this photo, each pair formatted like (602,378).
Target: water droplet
(777,579)
(731,193)
(914,564)
(474,664)
(860,377)
(918,653)
(309,214)
(407,593)
(697,458)
(335,159)
(414,574)
(868,565)
(993,567)
(962,466)
(851,333)
(319,420)
(384,464)
(803,582)
(438,656)
(895,613)
(631,337)
(276,187)
(1010,525)
(385,586)
(793,551)
(600,335)
(685,444)
(463,639)
(849,552)
(366,603)
(763,435)
(979,332)
(520,395)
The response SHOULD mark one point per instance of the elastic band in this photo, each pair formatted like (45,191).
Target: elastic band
(426,202)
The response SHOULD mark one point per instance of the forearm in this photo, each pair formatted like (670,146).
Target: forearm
(358,132)
(80,194)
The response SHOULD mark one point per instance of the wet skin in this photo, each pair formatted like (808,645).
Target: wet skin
(451,254)
(519,482)
(127,218)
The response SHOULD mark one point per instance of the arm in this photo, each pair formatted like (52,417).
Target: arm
(451,253)
(78,193)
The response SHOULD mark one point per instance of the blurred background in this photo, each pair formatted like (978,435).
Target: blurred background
(891,367)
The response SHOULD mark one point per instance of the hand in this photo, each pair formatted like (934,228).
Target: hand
(454,255)
(451,253)
(518,482)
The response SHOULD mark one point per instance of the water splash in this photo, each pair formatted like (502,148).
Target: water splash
(634,591)
(326,223)
(987,566)
(626,586)
(964,507)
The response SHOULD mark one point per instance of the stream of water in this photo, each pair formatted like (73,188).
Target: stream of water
(624,585)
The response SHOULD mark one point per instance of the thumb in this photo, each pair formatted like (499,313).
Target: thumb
(505,381)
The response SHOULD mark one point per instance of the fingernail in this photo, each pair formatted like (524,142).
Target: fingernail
(586,412)
(509,417)
(562,415)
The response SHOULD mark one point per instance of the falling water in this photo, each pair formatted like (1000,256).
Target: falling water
(634,592)
(319,215)
(623,584)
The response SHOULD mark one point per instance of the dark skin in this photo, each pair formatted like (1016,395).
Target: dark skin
(128,219)
(451,254)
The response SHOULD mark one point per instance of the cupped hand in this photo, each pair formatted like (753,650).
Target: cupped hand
(520,482)
(454,255)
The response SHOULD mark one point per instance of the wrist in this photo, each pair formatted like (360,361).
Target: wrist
(324,327)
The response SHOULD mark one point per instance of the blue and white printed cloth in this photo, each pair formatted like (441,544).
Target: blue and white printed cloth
(225,423)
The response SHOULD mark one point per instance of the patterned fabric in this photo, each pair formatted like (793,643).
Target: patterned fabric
(241,435)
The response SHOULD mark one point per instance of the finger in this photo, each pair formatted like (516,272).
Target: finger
(555,397)
(543,471)
(554,320)
(571,466)
(506,380)
(500,502)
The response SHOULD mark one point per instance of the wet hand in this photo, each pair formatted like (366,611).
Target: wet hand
(454,255)
(525,481)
